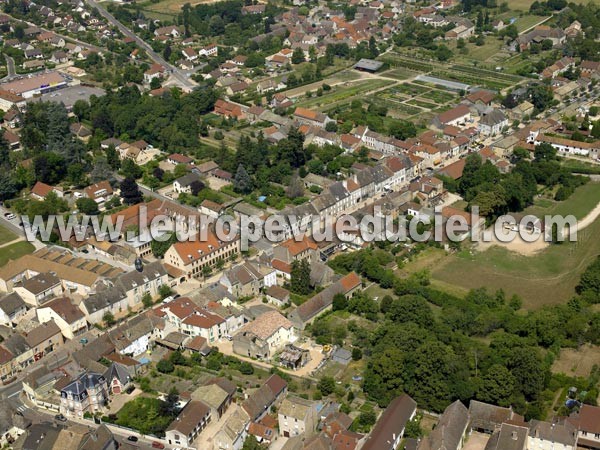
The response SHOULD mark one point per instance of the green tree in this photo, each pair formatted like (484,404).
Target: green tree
(109,319)
(340,302)
(165,366)
(413,428)
(300,277)
(297,56)
(242,182)
(112,158)
(497,386)
(326,386)
(529,371)
(164,291)
(367,418)
(246,368)
(130,192)
(130,169)
(177,358)
(8,187)
(147,300)
(87,206)
(159,247)
(411,308)
(590,279)
(81,109)
(251,443)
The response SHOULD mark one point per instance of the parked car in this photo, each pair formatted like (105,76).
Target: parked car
(132,438)
(60,418)
(156,444)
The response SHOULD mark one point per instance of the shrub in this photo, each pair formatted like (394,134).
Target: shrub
(165,366)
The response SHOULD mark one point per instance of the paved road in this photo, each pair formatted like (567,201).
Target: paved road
(177,74)
(10,67)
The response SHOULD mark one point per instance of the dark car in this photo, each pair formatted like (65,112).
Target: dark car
(60,418)
(132,438)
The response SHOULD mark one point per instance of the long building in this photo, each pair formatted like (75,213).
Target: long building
(28,87)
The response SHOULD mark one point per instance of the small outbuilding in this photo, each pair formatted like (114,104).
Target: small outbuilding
(368,65)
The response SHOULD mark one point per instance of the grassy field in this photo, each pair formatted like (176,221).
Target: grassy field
(165,9)
(548,277)
(15,251)
(343,93)
(579,204)
(578,362)
(399,73)
(486,51)
(527,21)
(6,235)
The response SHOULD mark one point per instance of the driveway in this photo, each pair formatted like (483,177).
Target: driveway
(316,355)
(117,401)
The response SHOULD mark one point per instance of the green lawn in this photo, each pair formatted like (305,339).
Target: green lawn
(490,48)
(15,251)
(400,73)
(548,277)
(6,235)
(583,200)
(527,21)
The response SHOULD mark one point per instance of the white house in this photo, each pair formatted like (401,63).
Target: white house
(184,184)
(69,318)
(12,309)
(265,336)
(209,50)
(492,123)
(566,146)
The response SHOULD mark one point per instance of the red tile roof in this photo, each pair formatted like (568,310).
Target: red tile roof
(41,189)
(589,419)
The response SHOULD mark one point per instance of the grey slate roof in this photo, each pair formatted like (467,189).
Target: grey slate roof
(133,279)
(508,437)
(11,303)
(450,429)
(118,371)
(494,117)
(564,433)
(81,384)
(16,344)
(188,179)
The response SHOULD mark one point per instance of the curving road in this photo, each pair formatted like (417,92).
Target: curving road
(10,68)
(176,74)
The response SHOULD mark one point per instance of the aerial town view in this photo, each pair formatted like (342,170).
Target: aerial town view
(300,224)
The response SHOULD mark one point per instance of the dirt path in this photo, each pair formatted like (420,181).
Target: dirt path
(14,241)
(536,25)
(519,245)
(589,218)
